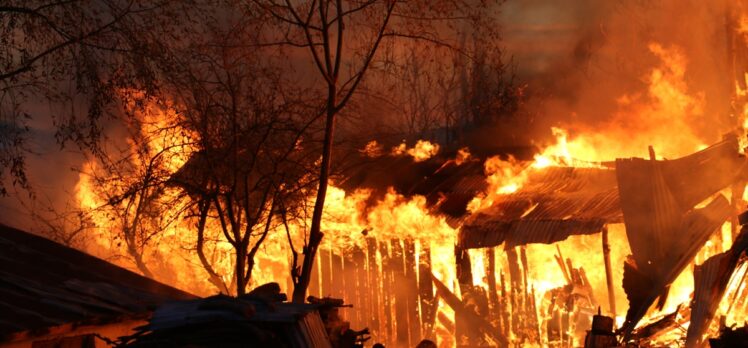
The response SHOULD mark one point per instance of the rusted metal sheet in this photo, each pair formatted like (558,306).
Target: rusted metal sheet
(553,204)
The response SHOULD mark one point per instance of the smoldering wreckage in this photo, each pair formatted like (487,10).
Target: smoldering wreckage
(670,209)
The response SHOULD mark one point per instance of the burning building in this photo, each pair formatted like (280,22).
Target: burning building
(466,237)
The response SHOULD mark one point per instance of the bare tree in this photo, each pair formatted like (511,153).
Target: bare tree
(130,183)
(343,39)
(253,144)
(74,56)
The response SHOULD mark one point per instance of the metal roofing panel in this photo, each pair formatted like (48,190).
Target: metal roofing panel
(554,203)
(44,284)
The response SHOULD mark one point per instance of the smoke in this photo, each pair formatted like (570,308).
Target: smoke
(589,66)
(593,67)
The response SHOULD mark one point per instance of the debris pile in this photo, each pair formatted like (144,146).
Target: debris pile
(260,318)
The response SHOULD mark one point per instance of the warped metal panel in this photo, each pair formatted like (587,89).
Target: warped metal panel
(710,283)
(664,230)
(553,204)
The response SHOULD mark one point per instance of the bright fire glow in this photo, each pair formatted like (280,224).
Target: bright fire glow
(658,117)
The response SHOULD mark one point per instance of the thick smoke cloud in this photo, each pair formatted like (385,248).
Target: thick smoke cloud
(583,59)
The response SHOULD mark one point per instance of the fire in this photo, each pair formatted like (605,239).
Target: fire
(659,116)
(373,149)
(422,150)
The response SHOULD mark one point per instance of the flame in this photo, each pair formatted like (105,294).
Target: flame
(659,116)
(422,151)
(373,149)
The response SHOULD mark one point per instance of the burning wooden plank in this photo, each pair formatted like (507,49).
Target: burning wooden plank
(474,319)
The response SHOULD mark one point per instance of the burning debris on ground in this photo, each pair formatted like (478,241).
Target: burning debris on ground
(339,173)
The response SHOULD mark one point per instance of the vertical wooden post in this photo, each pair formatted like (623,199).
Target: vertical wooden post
(609,274)
(426,290)
(338,278)
(526,315)
(506,324)
(515,288)
(465,281)
(326,272)
(493,296)
(349,289)
(401,295)
(387,292)
(411,287)
(374,287)
(314,287)
(362,288)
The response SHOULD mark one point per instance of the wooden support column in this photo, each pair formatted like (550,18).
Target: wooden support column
(525,305)
(426,290)
(465,281)
(350,295)
(515,289)
(338,278)
(387,288)
(609,274)
(326,272)
(314,286)
(411,286)
(401,294)
(504,308)
(493,295)
(375,287)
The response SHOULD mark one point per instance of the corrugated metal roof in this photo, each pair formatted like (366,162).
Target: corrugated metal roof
(44,284)
(554,203)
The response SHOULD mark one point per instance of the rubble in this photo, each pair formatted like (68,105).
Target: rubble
(731,338)
(601,334)
(664,229)
(260,318)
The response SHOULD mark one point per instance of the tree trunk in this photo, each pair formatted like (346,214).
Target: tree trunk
(315,232)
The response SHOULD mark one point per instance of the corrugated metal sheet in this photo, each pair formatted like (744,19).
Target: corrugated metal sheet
(45,284)
(554,203)
(663,228)
(710,283)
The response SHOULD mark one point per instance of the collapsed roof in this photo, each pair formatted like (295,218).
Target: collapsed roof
(711,279)
(664,227)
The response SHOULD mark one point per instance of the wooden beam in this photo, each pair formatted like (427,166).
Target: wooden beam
(470,316)
(401,295)
(411,288)
(609,274)
(426,290)
(375,286)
